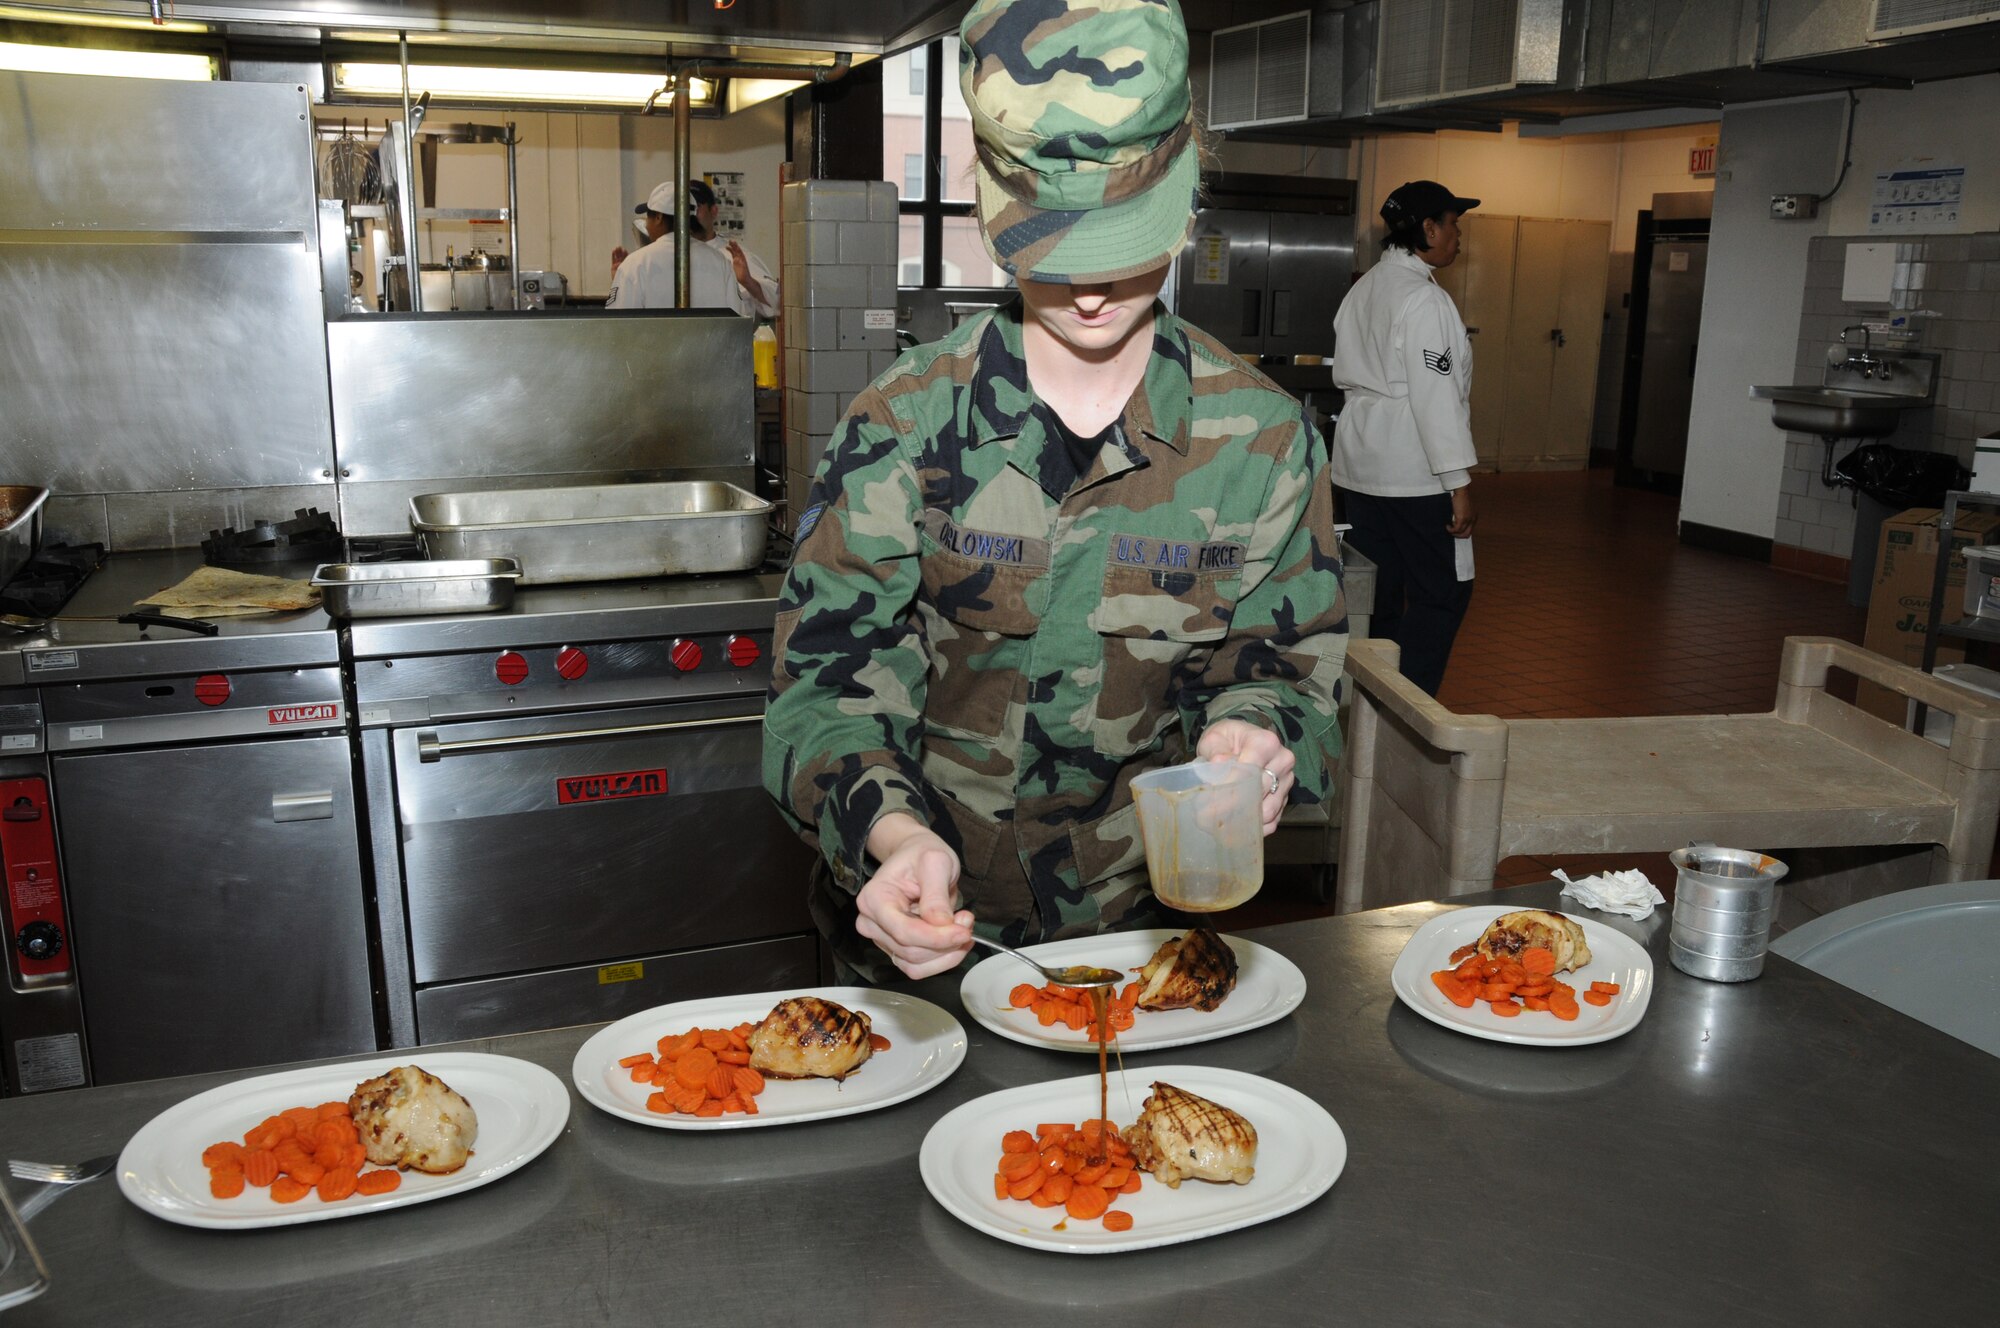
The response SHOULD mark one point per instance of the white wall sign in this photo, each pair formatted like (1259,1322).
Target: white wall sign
(728,186)
(1211,260)
(1917,197)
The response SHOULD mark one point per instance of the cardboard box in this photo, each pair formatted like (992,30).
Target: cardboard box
(1899,606)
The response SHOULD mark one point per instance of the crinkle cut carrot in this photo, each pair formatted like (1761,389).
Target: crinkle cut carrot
(1608,988)
(691,1070)
(1117,1220)
(1596,998)
(286,1190)
(641,1059)
(225,1182)
(714,1039)
(1505,1007)
(330,1110)
(1087,1201)
(721,1081)
(1017,1141)
(1538,959)
(260,1167)
(1022,996)
(378,1182)
(749,1082)
(228,1153)
(338,1184)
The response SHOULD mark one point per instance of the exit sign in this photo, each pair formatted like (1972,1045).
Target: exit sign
(1701,157)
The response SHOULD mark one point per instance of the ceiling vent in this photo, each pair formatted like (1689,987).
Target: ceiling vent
(1897,18)
(1432,50)
(1260,73)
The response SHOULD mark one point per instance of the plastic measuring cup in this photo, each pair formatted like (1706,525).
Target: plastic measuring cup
(1203,833)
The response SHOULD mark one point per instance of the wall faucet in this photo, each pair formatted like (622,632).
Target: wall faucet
(1870,364)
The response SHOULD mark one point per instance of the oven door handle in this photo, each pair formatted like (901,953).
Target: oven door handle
(431,749)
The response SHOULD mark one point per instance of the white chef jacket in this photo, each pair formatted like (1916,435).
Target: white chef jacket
(758,273)
(645,280)
(1402,357)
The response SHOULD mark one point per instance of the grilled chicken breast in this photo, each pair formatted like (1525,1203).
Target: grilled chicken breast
(1194,971)
(1179,1135)
(805,1037)
(411,1119)
(1510,933)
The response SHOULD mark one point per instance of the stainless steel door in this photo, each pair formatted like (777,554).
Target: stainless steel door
(1666,376)
(1224,272)
(217,899)
(575,839)
(1311,267)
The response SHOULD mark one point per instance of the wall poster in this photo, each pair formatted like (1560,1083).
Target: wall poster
(1918,197)
(728,186)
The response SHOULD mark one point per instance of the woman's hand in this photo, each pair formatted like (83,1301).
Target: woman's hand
(907,906)
(1239,740)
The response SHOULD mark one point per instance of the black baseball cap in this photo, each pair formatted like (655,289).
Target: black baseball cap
(1419,200)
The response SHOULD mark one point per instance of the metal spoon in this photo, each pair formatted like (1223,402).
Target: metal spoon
(1077,975)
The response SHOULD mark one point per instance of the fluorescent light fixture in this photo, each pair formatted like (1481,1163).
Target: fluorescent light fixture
(29,14)
(117,64)
(744,92)
(586,87)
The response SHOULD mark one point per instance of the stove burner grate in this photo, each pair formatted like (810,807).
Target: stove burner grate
(47,581)
(310,536)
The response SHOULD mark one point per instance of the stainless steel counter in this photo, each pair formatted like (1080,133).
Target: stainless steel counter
(117,650)
(1785,1151)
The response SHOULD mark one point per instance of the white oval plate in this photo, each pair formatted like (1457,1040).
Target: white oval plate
(1614,957)
(1268,987)
(1300,1153)
(925,1046)
(521,1107)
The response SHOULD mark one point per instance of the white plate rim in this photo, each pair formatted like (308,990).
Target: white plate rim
(1289,992)
(602,1048)
(540,1092)
(947,1135)
(1612,953)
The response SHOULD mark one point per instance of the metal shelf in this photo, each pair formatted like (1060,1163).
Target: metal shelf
(1972,629)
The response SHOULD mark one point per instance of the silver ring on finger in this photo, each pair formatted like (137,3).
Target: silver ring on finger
(1272,776)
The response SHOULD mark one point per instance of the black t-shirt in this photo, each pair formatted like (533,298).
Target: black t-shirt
(1082,451)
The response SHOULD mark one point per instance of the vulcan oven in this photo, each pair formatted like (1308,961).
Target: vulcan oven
(180,833)
(565,807)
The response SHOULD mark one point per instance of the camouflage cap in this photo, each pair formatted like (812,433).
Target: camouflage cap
(1088,163)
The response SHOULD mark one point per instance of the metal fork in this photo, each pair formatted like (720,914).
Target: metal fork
(61,1173)
(56,1179)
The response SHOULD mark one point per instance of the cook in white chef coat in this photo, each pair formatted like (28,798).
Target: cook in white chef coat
(756,288)
(645,280)
(1402,448)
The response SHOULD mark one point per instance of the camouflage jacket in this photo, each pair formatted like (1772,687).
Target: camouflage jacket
(975,635)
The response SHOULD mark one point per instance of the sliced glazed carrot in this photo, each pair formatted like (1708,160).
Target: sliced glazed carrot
(1117,1220)
(335,1110)
(378,1182)
(1458,993)
(1022,996)
(260,1167)
(1506,1009)
(748,1081)
(1024,1186)
(228,1153)
(1086,1202)
(1596,998)
(1538,959)
(286,1190)
(1017,1141)
(1608,988)
(641,1059)
(692,1069)
(338,1184)
(225,1182)
(721,1081)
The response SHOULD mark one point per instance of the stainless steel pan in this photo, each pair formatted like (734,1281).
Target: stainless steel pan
(20,526)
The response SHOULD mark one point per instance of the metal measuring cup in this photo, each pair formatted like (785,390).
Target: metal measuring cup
(1724,900)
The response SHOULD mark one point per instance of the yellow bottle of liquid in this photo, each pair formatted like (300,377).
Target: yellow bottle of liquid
(764,355)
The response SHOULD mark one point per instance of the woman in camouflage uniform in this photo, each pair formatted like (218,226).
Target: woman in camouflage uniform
(1073,541)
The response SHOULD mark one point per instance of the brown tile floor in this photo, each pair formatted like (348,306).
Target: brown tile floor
(1588,605)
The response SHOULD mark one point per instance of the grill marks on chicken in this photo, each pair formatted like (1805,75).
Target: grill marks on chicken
(1511,933)
(1179,1136)
(1194,971)
(805,1037)
(411,1119)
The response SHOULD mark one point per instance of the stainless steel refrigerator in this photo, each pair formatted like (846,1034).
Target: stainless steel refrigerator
(1670,265)
(1269,261)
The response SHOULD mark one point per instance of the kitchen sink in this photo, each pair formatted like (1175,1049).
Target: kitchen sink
(1840,411)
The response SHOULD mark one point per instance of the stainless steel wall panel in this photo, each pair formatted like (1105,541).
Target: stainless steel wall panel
(1794,29)
(178,365)
(80,519)
(182,519)
(147,154)
(487,396)
(594,993)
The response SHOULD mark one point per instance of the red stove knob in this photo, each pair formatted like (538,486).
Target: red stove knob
(511,668)
(572,663)
(685,654)
(211,689)
(742,651)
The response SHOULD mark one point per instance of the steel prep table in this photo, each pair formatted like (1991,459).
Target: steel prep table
(1785,1151)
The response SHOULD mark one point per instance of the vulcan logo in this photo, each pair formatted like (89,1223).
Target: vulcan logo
(604,788)
(323,713)
(1438,361)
